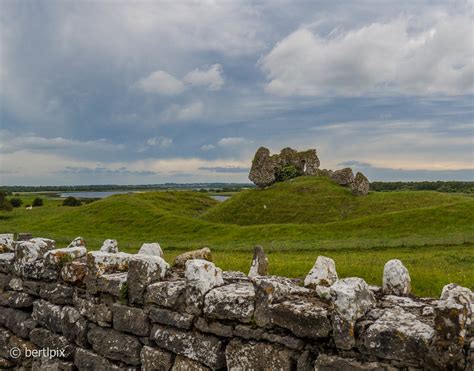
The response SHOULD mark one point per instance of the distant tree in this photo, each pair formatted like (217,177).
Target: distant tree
(37,202)
(71,201)
(16,201)
(5,205)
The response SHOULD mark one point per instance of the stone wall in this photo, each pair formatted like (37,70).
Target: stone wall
(108,310)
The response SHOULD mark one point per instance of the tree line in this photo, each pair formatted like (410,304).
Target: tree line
(450,186)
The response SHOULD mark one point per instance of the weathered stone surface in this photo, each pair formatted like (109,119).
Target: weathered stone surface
(152,248)
(396,279)
(142,271)
(128,319)
(304,317)
(35,269)
(74,272)
(22,236)
(4,281)
(206,349)
(110,246)
(453,293)
(92,309)
(168,317)
(48,315)
(204,254)
(269,289)
(61,256)
(6,242)
(6,261)
(335,363)
(17,321)
(201,276)
(360,185)
(323,272)
(266,169)
(77,242)
(85,360)
(74,326)
(248,332)
(55,364)
(235,301)
(56,293)
(342,177)
(168,294)
(213,327)
(115,345)
(31,287)
(258,356)
(16,299)
(100,263)
(25,347)
(34,249)
(186,364)
(451,322)
(352,299)
(398,335)
(113,284)
(155,359)
(46,339)
(259,265)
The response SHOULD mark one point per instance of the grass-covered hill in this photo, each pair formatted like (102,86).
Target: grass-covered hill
(295,221)
(316,200)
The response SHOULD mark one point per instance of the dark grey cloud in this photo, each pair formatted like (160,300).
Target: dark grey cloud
(219,169)
(104,171)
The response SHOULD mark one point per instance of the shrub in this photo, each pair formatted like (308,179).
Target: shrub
(37,202)
(16,201)
(72,201)
(5,205)
(286,172)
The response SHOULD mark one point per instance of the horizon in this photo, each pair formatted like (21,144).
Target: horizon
(183,92)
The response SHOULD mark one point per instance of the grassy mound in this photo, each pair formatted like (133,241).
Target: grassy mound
(315,200)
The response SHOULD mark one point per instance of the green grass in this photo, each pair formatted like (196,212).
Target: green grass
(302,218)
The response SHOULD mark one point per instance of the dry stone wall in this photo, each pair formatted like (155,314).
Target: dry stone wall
(68,309)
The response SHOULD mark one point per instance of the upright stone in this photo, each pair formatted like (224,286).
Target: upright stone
(396,279)
(151,249)
(259,265)
(110,246)
(323,273)
(77,242)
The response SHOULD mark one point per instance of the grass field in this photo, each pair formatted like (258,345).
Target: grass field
(295,221)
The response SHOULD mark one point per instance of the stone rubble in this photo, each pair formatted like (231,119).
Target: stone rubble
(116,311)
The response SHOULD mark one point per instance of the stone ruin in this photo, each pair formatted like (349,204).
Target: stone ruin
(109,310)
(266,168)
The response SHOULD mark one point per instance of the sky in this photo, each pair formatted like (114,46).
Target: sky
(144,92)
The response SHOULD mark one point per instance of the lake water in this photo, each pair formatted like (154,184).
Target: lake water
(92,194)
(220,198)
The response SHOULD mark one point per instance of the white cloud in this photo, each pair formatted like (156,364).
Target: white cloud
(208,147)
(161,82)
(161,142)
(232,141)
(210,77)
(186,112)
(378,58)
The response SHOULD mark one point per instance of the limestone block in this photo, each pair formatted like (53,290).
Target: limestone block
(19,322)
(352,299)
(6,242)
(153,249)
(185,364)
(323,273)
(16,299)
(74,272)
(168,294)
(132,320)
(74,326)
(91,308)
(396,279)
(204,254)
(48,315)
(155,359)
(113,283)
(360,186)
(168,317)
(343,177)
(234,302)
(56,293)
(46,339)
(144,270)
(206,349)
(259,265)
(110,246)
(115,345)
(251,355)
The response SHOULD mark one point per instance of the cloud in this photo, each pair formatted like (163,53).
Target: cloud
(208,147)
(210,78)
(401,56)
(232,141)
(104,171)
(10,143)
(226,169)
(161,142)
(162,83)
